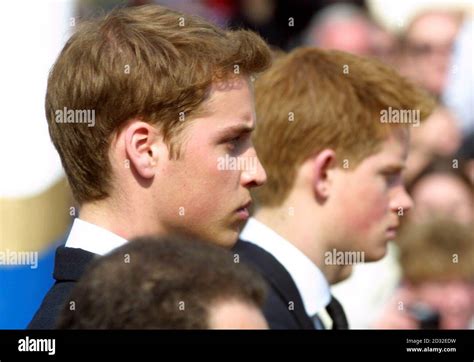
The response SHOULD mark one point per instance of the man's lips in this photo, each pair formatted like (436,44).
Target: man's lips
(243,211)
(392,231)
(245,205)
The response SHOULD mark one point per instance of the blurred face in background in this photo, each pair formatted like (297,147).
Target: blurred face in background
(439,136)
(453,300)
(349,35)
(429,42)
(442,196)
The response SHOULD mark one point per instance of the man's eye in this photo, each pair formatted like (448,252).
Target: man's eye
(234,141)
(391,177)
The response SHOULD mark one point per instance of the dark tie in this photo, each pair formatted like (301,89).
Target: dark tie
(317,322)
(336,312)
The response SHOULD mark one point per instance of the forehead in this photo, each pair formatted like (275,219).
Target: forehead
(230,103)
(426,28)
(393,151)
(440,185)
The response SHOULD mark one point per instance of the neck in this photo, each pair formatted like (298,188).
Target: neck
(122,220)
(303,231)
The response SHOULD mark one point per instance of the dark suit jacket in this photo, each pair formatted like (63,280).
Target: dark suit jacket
(282,289)
(69,265)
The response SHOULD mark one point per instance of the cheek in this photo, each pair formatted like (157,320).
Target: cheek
(206,186)
(366,207)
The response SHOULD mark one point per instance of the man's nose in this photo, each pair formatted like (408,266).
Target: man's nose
(402,201)
(254,175)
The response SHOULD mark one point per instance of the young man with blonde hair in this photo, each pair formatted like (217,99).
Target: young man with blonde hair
(333,138)
(141,105)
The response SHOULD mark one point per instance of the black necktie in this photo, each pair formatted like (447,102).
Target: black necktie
(336,312)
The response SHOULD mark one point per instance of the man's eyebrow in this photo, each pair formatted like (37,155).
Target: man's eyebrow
(393,168)
(236,129)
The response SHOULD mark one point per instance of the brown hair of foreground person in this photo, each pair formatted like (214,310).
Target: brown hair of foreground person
(166,284)
(149,63)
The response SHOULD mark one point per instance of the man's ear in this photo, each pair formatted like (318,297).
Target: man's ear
(322,162)
(142,148)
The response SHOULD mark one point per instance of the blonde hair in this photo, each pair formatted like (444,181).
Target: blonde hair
(437,250)
(312,99)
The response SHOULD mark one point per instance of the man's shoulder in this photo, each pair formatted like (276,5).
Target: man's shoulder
(278,311)
(283,307)
(53,302)
(250,252)
(69,265)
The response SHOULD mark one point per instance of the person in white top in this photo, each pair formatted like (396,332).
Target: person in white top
(334,193)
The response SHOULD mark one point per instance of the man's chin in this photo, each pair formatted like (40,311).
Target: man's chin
(227,239)
(222,236)
(377,253)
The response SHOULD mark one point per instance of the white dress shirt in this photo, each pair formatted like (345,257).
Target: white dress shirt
(310,281)
(92,238)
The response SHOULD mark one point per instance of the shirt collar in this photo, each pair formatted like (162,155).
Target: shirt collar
(92,238)
(309,280)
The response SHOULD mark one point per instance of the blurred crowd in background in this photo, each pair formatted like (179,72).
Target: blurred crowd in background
(431,43)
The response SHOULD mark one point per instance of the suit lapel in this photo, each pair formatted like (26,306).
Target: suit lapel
(278,277)
(70,263)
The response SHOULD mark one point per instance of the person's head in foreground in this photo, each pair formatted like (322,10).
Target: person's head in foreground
(166,284)
(142,105)
(334,152)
